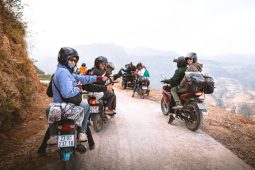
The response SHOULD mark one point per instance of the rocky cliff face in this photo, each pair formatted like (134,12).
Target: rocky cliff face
(18,80)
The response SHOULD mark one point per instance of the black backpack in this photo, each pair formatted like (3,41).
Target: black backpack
(49,89)
(208,85)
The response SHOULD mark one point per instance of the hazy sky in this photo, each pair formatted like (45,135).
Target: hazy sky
(209,27)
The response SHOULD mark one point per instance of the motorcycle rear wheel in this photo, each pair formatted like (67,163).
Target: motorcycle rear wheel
(195,116)
(97,122)
(67,165)
(143,92)
(164,107)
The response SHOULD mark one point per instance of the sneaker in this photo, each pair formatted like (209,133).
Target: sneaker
(133,94)
(108,111)
(83,137)
(53,140)
(171,119)
(178,106)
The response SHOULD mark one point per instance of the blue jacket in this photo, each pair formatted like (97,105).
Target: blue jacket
(66,83)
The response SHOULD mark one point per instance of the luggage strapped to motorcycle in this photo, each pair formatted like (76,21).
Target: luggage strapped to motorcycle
(63,110)
(201,82)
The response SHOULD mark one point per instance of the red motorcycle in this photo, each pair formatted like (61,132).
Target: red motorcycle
(193,106)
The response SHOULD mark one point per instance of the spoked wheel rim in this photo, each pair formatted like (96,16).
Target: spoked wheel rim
(194,119)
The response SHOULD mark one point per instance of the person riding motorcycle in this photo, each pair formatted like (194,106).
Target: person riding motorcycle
(83,69)
(64,89)
(141,72)
(129,77)
(193,66)
(175,80)
(99,70)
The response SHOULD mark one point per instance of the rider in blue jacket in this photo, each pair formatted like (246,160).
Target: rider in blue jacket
(64,88)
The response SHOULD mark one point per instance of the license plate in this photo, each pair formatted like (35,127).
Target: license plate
(65,141)
(202,107)
(94,109)
(144,87)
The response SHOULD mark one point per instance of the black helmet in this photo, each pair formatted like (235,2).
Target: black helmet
(139,65)
(181,62)
(110,65)
(193,56)
(100,60)
(65,53)
(83,64)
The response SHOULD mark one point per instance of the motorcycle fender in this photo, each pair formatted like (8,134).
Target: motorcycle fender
(65,153)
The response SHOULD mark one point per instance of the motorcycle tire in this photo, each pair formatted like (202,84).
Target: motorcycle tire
(143,92)
(97,122)
(164,107)
(124,85)
(195,116)
(67,165)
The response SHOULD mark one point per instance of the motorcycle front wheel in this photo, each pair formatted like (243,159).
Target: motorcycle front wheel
(194,116)
(164,107)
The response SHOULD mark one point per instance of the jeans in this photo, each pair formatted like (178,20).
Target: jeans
(86,107)
(111,100)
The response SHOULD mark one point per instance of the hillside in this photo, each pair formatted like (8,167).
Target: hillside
(19,83)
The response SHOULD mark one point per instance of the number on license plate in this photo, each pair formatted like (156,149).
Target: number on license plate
(94,109)
(65,141)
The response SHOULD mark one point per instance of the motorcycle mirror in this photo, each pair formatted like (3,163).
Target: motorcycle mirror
(163,76)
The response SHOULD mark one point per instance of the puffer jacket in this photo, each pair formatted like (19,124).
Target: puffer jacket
(66,83)
(177,77)
(194,67)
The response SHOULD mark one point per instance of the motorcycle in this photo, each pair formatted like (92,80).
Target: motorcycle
(127,80)
(193,109)
(97,108)
(143,84)
(166,99)
(67,141)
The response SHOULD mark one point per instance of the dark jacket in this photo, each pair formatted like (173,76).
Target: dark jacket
(177,77)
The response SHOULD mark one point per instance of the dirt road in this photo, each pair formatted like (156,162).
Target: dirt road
(138,137)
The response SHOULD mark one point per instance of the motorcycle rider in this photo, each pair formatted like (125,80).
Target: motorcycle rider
(175,80)
(64,89)
(193,66)
(129,68)
(99,70)
(141,72)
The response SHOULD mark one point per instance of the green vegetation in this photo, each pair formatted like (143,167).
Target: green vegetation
(13,27)
(19,82)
